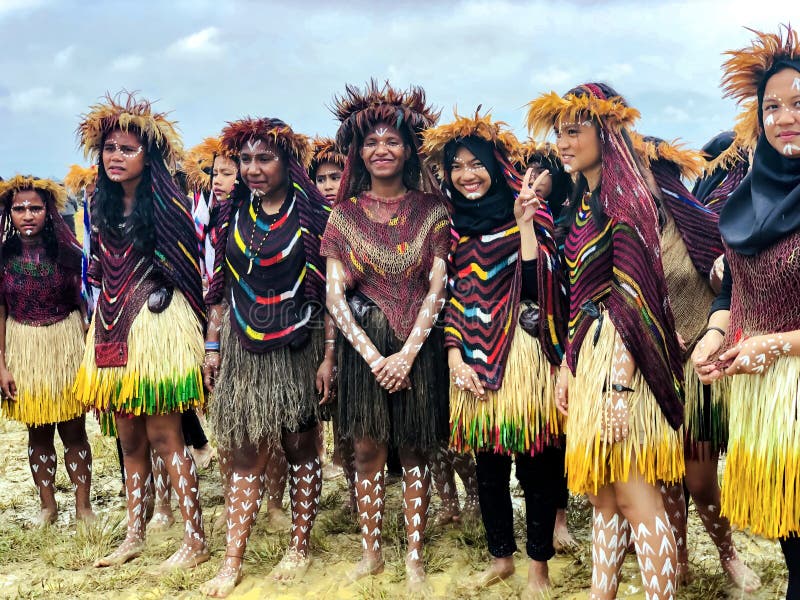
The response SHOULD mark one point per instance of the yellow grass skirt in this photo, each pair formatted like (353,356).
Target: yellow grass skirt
(163,374)
(44,361)
(652,447)
(705,421)
(761,482)
(519,417)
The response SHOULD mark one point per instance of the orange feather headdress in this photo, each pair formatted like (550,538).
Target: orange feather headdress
(52,191)
(550,109)
(651,150)
(495,132)
(324,150)
(127,112)
(273,131)
(533,150)
(78,178)
(199,162)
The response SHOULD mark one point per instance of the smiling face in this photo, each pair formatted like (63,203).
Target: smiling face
(28,213)
(469,175)
(781,112)
(384,152)
(223,174)
(123,156)
(327,179)
(545,186)
(262,167)
(578,146)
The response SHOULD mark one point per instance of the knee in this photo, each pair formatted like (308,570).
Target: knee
(133,446)
(73,434)
(367,453)
(300,448)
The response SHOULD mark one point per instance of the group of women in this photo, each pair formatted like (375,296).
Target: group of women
(575,292)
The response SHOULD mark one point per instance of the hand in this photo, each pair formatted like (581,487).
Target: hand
(7,384)
(717,272)
(326,380)
(562,390)
(681,342)
(709,344)
(614,425)
(753,356)
(527,202)
(466,379)
(392,372)
(210,370)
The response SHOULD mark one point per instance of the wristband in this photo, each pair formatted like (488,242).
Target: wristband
(212,346)
(618,387)
(718,329)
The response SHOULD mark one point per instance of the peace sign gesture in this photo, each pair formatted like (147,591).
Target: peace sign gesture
(528,202)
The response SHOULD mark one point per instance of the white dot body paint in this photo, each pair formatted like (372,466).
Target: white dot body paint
(796,84)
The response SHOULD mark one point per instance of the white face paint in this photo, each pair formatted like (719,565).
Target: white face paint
(796,84)
(381,131)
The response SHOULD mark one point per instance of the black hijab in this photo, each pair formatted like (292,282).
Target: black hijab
(713,148)
(496,208)
(766,206)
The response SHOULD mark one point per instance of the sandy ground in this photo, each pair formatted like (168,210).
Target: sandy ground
(55,562)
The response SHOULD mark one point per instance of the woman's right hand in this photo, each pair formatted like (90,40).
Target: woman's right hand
(7,384)
(210,370)
(708,346)
(562,390)
(466,379)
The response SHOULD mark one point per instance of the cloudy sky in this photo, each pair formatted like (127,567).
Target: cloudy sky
(212,61)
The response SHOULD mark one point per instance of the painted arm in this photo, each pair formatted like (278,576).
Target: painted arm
(326,374)
(7,382)
(212,361)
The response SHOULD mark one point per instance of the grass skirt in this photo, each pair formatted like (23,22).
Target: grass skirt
(521,416)
(257,396)
(652,447)
(163,374)
(44,361)
(706,413)
(761,482)
(413,418)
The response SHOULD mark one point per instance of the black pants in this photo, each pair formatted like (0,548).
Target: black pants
(562,499)
(791,552)
(540,478)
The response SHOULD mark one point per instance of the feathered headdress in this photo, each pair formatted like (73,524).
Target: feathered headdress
(359,110)
(746,132)
(745,72)
(689,163)
(52,191)
(127,112)
(78,178)
(199,162)
(540,152)
(550,109)
(324,150)
(237,133)
(495,132)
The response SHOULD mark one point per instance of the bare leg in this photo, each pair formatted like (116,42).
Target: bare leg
(136,458)
(349,467)
(701,479)
(464,464)
(609,544)
(416,498)
(642,505)
(444,479)
(164,433)
(225,462)
(305,489)
(42,460)
(370,459)
(162,518)
(277,470)
(246,468)
(78,459)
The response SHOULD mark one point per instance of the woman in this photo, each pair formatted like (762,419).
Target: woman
(754,328)
(142,359)
(41,336)
(690,244)
(386,245)
(264,351)
(621,382)
(502,336)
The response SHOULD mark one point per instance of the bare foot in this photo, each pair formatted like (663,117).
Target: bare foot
(471,508)
(683,574)
(366,567)
(278,520)
(293,566)
(538,581)
(47,516)
(203,456)
(130,548)
(562,538)
(448,513)
(501,568)
(85,515)
(416,579)
(186,557)
(227,578)
(161,520)
(741,575)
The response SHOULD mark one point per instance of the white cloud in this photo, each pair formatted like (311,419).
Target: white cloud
(63,56)
(675,114)
(201,43)
(12,6)
(40,100)
(129,62)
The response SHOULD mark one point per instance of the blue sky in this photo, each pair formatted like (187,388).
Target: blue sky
(208,62)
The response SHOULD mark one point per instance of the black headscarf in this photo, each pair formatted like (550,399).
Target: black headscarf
(713,148)
(496,208)
(766,206)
